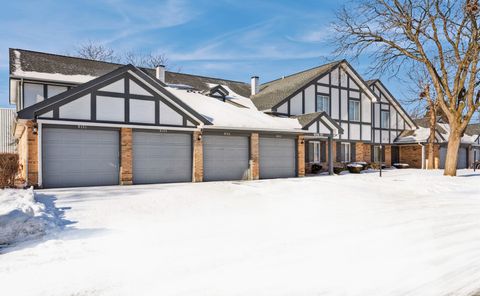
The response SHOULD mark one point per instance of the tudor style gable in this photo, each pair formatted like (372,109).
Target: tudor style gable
(335,89)
(319,123)
(126,95)
(389,118)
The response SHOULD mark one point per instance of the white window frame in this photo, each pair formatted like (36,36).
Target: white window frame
(355,114)
(325,103)
(382,123)
(346,152)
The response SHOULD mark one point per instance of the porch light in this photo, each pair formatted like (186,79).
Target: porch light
(199,137)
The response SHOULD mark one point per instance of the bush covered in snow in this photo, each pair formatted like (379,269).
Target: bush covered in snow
(21,217)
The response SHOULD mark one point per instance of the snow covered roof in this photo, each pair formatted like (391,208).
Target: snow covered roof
(228,116)
(419,135)
(422,133)
(60,68)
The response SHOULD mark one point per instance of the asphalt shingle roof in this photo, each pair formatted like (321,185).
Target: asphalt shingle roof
(473,129)
(33,61)
(273,92)
(425,123)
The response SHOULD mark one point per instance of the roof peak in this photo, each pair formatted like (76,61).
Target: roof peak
(306,70)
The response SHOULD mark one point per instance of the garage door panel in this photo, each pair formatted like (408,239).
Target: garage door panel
(225,157)
(80,157)
(461,160)
(162,157)
(277,157)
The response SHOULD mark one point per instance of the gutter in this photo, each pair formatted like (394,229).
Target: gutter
(244,129)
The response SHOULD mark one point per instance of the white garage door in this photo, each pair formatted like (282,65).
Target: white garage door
(461,161)
(79,157)
(277,158)
(225,157)
(161,157)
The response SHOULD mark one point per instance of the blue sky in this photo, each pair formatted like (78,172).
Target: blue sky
(229,39)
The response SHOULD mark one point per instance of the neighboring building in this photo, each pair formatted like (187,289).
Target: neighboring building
(7,121)
(413,145)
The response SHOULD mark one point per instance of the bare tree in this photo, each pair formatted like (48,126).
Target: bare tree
(97,52)
(149,60)
(441,36)
(432,112)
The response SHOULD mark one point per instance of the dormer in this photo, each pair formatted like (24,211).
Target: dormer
(218,92)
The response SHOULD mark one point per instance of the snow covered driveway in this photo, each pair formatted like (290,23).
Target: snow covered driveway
(411,233)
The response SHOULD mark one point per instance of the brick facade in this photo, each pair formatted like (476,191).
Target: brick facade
(126,160)
(28,155)
(254,157)
(197,171)
(388,155)
(411,155)
(363,152)
(301,156)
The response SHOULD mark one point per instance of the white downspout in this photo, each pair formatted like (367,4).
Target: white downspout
(423,155)
(39,143)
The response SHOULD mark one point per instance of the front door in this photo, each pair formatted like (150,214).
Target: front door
(395,154)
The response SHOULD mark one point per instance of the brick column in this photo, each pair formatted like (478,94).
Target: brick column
(367,152)
(197,170)
(334,152)
(301,156)
(254,157)
(359,151)
(388,155)
(32,150)
(126,162)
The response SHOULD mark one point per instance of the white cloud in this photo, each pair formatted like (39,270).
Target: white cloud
(257,41)
(155,15)
(315,36)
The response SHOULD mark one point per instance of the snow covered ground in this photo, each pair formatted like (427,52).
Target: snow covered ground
(22,218)
(411,233)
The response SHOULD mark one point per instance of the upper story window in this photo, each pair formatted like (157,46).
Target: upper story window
(53,90)
(37,92)
(385,119)
(32,94)
(323,104)
(354,110)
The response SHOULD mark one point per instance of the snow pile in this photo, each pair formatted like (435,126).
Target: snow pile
(21,217)
(354,165)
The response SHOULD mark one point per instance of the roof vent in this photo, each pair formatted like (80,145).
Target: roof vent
(254,85)
(160,73)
